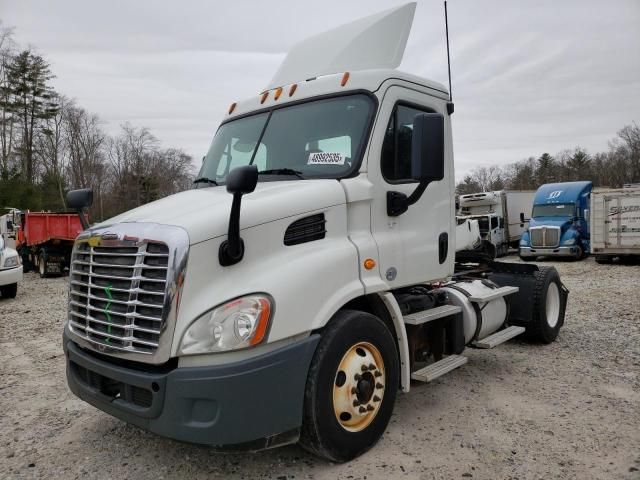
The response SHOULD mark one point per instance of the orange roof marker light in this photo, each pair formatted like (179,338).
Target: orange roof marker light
(293,89)
(278,93)
(345,79)
(264,96)
(232,107)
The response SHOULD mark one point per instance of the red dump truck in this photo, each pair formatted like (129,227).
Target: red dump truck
(43,239)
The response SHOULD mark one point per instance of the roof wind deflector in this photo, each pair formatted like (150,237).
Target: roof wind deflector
(377,41)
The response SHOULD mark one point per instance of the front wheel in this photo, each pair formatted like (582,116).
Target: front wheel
(351,387)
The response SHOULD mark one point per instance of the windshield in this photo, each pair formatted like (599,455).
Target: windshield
(318,139)
(553,210)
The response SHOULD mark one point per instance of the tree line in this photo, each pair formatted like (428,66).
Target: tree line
(613,168)
(49,144)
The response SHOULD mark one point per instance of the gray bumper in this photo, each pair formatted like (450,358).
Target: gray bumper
(251,404)
(570,251)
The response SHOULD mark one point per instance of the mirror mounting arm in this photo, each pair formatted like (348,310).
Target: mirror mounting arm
(232,249)
(398,203)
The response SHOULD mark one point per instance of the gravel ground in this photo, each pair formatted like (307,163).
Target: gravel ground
(566,410)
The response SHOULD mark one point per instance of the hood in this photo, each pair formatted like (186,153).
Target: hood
(204,212)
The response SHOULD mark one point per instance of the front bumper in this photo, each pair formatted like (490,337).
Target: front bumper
(250,404)
(569,251)
(11,275)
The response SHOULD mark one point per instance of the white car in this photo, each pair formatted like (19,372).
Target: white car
(10,271)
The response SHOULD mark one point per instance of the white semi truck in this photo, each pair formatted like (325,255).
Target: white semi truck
(499,216)
(615,224)
(309,276)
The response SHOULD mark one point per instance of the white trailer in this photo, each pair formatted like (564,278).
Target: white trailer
(499,215)
(615,224)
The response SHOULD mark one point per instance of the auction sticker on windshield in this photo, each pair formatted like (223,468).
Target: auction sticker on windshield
(326,158)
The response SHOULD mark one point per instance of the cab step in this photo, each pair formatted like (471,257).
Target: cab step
(493,294)
(425,316)
(499,337)
(437,369)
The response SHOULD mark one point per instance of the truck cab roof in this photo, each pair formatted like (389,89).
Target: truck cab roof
(567,192)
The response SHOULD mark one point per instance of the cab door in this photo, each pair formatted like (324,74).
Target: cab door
(418,245)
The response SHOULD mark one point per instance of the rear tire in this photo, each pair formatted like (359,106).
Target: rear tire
(42,265)
(334,424)
(9,291)
(548,306)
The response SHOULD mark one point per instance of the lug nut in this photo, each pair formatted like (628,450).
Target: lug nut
(356,403)
(372,366)
(378,373)
(376,398)
(362,409)
(379,385)
(364,368)
(354,390)
(370,408)
(357,377)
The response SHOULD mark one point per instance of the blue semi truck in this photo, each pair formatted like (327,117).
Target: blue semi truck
(559,224)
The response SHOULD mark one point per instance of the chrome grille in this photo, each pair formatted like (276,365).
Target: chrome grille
(544,236)
(124,289)
(117,295)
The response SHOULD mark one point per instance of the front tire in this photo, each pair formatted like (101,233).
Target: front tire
(9,291)
(351,387)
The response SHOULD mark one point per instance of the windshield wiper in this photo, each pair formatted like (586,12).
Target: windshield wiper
(282,171)
(205,180)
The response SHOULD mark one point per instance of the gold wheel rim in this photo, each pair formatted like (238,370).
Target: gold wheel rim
(358,387)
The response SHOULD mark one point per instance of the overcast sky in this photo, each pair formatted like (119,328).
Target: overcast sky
(528,77)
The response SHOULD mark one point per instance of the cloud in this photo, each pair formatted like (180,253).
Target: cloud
(527,77)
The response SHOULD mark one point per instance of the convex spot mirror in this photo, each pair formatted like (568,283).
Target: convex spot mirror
(79,199)
(427,147)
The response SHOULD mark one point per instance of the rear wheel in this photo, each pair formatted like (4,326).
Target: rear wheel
(548,306)
(351,387)
(42,264)
(9,291)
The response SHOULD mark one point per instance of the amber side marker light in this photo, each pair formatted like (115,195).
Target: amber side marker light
(264,97)
(232,107)
(369,263)
(345,79)
(293,89)
(278,93)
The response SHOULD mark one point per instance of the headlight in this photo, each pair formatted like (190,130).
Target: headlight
(12,262)
(237,324)
(569,241)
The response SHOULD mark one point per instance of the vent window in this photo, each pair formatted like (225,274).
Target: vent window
(306,230)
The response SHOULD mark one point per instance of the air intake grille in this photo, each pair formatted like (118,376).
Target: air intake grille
(544,236)
(305,230)
(116,296)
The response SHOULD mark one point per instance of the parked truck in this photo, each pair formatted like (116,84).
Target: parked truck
(309,276)
(10,270)
(44,240)
(559,224)
(615,224)
(498,214)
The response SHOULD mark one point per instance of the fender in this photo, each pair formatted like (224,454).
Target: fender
(403,345)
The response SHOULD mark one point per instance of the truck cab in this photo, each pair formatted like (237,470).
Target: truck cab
(486,208)
(309,276)
(559,224)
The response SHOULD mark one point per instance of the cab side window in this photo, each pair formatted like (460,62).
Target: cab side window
(396,147)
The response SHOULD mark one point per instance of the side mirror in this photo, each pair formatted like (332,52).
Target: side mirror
(79,200)
(427,160)
(586,214)
(427,147)
(9,225)
(240,181)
